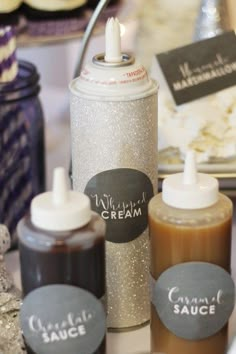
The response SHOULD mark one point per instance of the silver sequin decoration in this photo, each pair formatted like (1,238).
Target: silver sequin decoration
(110,135)
(11,341)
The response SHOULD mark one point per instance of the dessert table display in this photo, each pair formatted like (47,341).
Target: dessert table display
(110,165)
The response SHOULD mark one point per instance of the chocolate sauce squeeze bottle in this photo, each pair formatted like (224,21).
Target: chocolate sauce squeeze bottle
(62,253)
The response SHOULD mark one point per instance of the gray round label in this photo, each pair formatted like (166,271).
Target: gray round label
(194,300)
(121,197)
(59,319)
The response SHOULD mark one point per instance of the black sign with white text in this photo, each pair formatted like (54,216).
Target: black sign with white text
(121,197)
(201,68)
(194,300)
(60,319)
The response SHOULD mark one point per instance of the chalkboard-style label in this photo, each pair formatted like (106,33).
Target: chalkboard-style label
(60,319)
(201,68)
(194,300)
(121,197)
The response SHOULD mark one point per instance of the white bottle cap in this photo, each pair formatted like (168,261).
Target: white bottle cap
(62,209)
(190,190)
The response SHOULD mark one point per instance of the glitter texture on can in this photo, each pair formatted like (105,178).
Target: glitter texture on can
(107,135)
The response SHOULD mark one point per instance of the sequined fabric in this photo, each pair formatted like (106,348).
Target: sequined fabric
(11,341)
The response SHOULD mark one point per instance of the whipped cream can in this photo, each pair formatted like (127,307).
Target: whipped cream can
(113,109)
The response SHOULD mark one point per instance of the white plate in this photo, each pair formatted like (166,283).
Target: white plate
(226,168)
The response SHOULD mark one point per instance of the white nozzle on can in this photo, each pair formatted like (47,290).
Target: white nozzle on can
(190,190)
(62,209)
(113,41)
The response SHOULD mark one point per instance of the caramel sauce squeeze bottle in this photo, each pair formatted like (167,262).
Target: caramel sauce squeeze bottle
(192,291)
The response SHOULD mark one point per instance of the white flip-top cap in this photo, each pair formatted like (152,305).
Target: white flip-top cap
(62,209)
(190,190)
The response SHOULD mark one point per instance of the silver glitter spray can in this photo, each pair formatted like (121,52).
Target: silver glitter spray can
(114,161)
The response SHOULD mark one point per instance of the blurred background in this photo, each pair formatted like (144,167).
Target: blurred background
(150,27)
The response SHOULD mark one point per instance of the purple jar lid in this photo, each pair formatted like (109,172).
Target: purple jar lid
(23,86)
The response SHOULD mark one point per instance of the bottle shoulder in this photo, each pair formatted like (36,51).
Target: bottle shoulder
(215,214)
(85,237)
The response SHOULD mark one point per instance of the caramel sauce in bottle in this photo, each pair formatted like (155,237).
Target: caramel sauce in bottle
(179,235)
(174,243)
